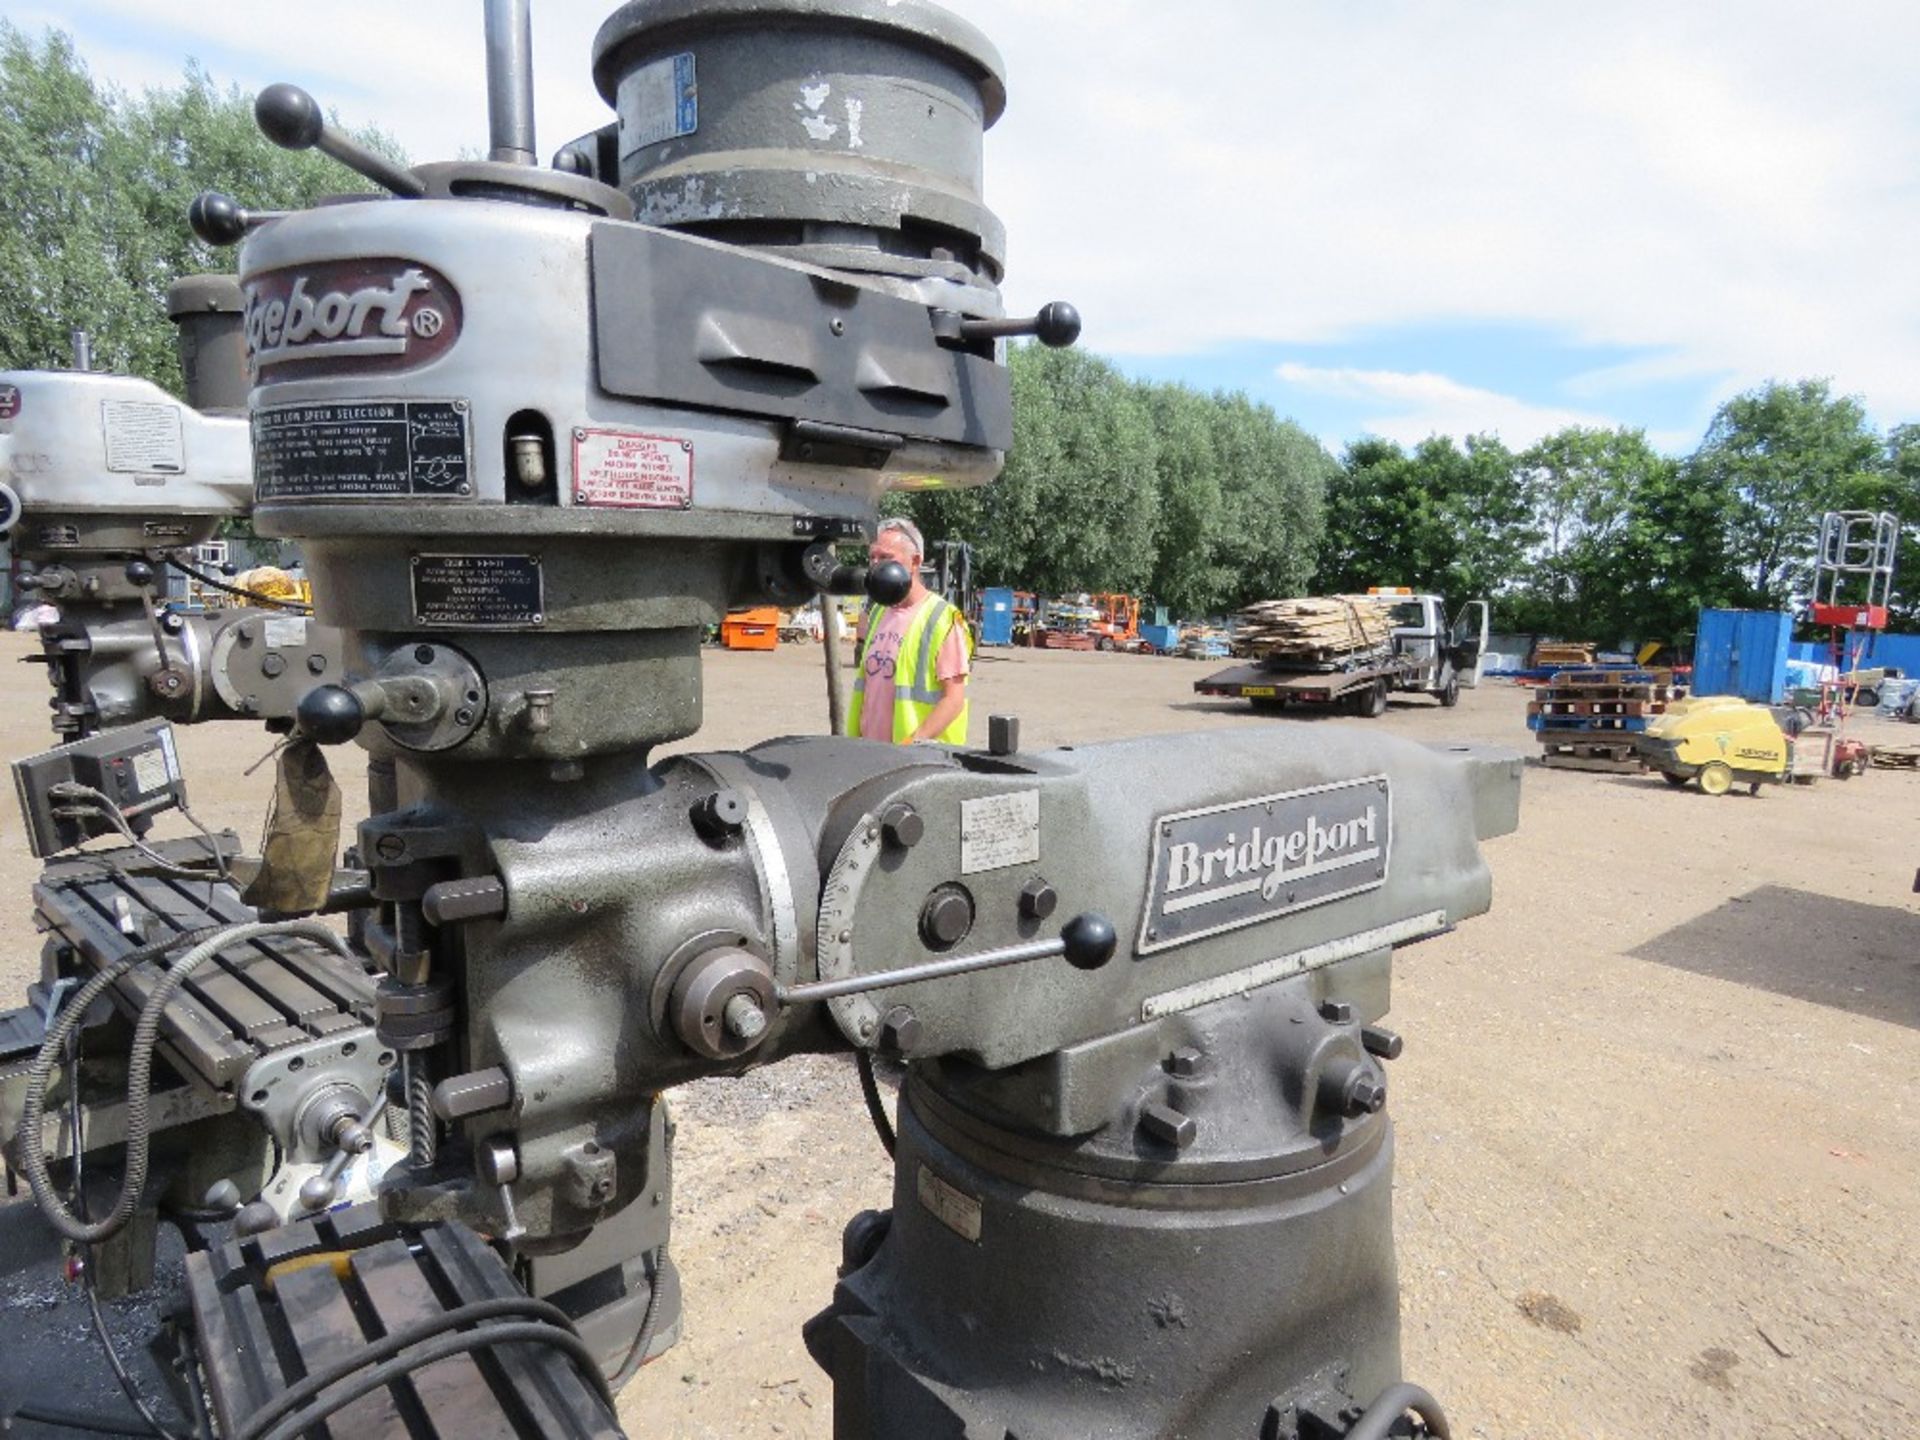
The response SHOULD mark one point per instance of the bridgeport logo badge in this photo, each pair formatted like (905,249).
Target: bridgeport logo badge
(339,317)
(1227,866)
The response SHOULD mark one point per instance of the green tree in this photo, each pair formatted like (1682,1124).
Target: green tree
(1901,495)
(1787,453)
(1444,517)
(1188,575)
(95,185)
(1273,479)
(1624,550)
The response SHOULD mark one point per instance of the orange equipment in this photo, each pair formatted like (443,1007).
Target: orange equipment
(756,629)
(1118,627)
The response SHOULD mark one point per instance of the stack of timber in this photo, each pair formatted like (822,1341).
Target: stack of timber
(1586,719)
(1546,656)
(1314,629)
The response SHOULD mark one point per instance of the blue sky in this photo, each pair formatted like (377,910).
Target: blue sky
(1400,216)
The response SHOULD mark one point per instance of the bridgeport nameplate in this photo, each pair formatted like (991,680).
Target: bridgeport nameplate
(1233,865)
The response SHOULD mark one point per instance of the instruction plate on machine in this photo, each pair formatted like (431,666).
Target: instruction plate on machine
(477,591)
(370,449)
(999,830)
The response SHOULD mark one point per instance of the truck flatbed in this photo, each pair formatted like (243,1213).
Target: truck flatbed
(1267,684)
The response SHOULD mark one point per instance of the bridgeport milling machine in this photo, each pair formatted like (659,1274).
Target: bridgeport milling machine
(106,481)
(1142,1163)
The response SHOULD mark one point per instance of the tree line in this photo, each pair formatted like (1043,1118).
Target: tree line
(1200,501)
(95,184)
(1207,502)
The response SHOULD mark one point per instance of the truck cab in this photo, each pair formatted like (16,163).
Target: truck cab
(1442,650)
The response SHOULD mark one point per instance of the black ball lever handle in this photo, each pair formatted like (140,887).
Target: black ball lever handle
(292,119)
(330,714)
(1057,324)
(888,583)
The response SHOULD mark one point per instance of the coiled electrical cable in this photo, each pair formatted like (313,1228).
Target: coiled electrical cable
(33,1159)
(292,1411)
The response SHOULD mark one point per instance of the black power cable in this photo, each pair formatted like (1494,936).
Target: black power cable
(73,1420)
(513,1332)
(551,1325)
(254,596)
(876,1107)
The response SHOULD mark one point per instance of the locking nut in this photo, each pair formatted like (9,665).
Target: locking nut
(587,1176)
(899,1031)
(1037,899)
(901,826)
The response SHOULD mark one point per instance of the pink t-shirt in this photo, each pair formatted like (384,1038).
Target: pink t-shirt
(876,710)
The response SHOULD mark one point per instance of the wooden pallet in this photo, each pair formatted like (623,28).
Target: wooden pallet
(1597,707)
(1608,764)
(1560,753)
(1896,757)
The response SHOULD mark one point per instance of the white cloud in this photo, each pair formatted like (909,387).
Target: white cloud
(1415,404)
(1726,184)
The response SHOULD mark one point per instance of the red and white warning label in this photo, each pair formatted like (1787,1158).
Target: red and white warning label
(631,470)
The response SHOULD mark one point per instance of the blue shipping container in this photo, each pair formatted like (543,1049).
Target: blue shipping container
(1895,652)
(1164,638)
(996,616)
(1742,652)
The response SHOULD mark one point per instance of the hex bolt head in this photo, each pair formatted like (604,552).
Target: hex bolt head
(899,1031)
(1037,899)
(901,826)
(1367,1096)
(1167,1125)
(273,665)
(1185,1062)
(1352,1088)
(1336,1012)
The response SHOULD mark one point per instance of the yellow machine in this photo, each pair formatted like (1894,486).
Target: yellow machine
(273,583)
(1720,740)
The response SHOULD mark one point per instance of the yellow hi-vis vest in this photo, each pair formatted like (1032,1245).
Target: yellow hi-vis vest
(916,686)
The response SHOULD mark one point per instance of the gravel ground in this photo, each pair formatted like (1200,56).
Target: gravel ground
(1659,1144)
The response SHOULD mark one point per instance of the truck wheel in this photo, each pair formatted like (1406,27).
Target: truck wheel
(1867,698)
(1716,778)
(1450,692)
(1103,643)
(1372,701)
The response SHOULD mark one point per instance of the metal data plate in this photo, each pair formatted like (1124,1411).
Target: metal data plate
(367,450)
(478,591)
(1226,866)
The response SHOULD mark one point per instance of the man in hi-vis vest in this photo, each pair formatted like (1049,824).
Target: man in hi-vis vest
(911,682)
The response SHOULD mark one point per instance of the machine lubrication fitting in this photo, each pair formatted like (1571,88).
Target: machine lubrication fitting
(533,429)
